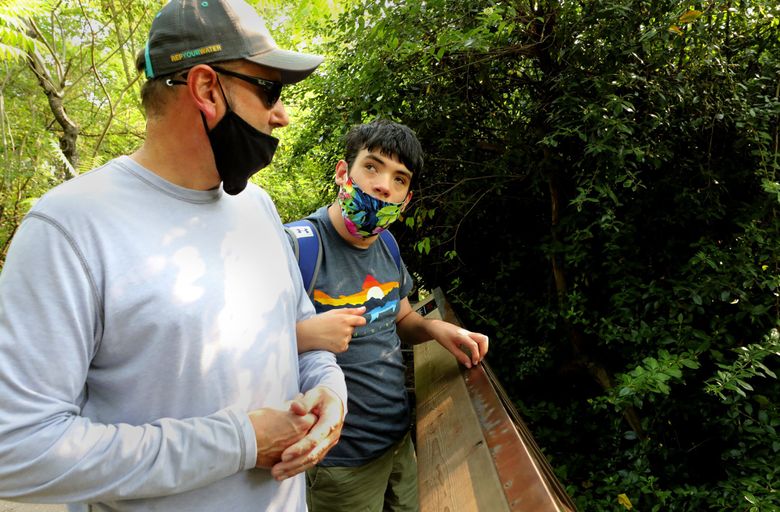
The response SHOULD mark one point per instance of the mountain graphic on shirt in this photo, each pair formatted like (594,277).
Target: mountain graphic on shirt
(371,289)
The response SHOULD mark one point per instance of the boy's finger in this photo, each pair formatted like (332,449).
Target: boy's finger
(353,311)
(481,343)
(357,320)
(463,354)
(483,346)
(470,347)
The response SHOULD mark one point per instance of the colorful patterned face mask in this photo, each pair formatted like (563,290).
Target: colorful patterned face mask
(365,216)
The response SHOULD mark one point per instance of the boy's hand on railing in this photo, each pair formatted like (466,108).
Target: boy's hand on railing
(331,331)
(469,348)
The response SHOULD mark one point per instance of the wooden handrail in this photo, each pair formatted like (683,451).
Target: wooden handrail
(474,451)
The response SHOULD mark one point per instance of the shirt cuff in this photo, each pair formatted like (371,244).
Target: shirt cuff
(246,438)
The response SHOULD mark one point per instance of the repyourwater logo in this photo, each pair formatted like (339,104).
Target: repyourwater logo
(214,48)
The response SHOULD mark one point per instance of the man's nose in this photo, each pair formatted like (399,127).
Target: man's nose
(279,117)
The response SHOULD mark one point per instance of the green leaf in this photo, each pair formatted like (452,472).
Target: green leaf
(674,372)
(690,16)
(744,385)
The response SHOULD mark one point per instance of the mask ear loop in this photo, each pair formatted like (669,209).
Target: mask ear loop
(227,105)
(224,96)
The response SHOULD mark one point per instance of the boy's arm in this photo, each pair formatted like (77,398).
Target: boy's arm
(413,329)
(331,331)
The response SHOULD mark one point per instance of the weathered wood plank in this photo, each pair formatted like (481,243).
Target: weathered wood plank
(518,465)
(474,452)
(456,471)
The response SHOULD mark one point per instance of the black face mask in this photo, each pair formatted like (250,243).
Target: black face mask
(240,150)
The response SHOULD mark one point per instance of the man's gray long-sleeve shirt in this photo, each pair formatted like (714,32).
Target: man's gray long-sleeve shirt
(139,322)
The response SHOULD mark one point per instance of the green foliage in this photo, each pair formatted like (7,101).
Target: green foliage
(87,52)
(601,197)
(733,377)
(652,376)
(14,39)
(296,185)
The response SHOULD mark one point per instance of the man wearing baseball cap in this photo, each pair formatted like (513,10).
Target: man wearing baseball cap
(148,307)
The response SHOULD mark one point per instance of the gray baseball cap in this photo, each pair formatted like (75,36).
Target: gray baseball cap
(186,33)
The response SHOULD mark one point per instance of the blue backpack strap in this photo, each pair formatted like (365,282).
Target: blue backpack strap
(307,246)
(392,246)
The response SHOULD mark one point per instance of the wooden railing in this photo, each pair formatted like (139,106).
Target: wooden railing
(474,451)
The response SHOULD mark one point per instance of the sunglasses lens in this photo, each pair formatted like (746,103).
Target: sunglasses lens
(271,89)
(272,94)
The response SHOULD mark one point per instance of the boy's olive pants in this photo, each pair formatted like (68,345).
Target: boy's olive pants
(388,483)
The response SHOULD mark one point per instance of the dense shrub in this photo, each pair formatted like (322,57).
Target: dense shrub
(601,197)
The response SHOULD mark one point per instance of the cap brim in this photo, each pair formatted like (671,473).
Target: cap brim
(293,66)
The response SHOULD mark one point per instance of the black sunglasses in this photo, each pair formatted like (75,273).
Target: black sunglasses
(271,88)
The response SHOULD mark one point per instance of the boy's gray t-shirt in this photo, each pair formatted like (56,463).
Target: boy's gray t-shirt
(378,404)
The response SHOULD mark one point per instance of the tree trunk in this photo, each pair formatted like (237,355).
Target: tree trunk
(596,370)
(54,93)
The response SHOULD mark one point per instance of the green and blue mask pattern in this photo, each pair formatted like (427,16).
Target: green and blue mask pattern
(365,216)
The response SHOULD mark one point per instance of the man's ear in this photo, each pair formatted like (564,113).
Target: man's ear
(342,172)
(203,86)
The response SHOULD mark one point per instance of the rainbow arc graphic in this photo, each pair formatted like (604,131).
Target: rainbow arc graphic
(371,289)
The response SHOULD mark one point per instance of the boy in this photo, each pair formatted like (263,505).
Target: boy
(360,287)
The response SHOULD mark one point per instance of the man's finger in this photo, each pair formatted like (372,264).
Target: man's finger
(310,449)
(314,439)
(298,406)
(298,449)
(282,470)
(302,455)
(311,399)
(321,436)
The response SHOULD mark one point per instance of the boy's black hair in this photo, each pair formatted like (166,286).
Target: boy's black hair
(390,138)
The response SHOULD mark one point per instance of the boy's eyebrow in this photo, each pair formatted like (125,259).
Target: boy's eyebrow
(380,161)
(405,172)
(375,157)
